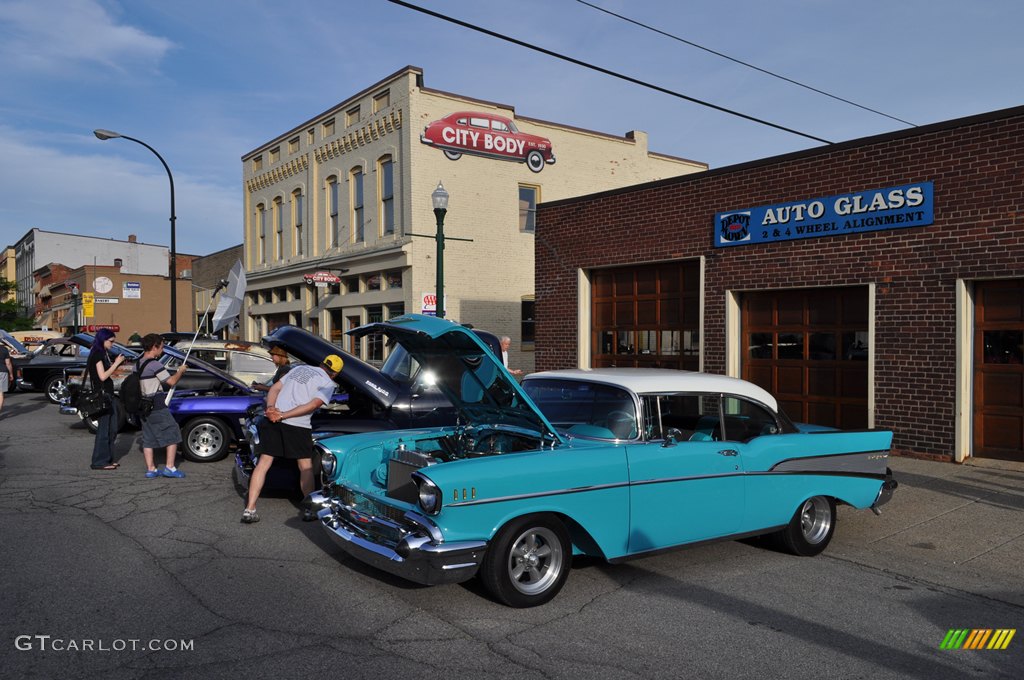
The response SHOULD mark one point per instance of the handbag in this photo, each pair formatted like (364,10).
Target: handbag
(91,402)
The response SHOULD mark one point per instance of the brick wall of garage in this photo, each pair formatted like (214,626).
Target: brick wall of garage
(977,166)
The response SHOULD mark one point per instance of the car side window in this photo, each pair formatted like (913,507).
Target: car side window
(696,416)
(499,126)
(480,123)
(745,420)
(251,363)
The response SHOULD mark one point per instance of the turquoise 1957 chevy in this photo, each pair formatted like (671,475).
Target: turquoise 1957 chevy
(612,463)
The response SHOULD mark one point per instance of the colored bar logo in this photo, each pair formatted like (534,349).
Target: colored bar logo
(978,638)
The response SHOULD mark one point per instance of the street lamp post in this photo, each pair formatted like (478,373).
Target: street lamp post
(439,198)
(108,134)
(74,308)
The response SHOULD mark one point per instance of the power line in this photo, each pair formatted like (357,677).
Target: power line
(743,63)
(605,71)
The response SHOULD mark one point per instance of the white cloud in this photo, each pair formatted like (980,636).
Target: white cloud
(56,35)
(106,195)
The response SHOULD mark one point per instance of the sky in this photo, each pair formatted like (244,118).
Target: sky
(205,82)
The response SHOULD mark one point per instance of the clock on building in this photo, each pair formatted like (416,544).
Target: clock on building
(102,285)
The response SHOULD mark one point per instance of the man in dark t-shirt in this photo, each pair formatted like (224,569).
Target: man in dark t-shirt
(6,373)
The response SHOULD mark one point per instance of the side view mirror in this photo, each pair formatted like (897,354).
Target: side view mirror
(672,437)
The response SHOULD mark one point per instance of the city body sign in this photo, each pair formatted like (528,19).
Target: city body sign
(488,135)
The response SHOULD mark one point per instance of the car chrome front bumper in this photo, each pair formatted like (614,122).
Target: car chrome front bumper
(413,549)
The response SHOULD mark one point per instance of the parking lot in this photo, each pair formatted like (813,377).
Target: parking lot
(111,574)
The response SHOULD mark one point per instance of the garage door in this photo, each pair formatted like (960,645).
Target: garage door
(810,349)
(647,316)
(999,370)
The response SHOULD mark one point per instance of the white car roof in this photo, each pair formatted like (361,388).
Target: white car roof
(662,380)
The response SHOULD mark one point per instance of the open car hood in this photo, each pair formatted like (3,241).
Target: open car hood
(12,342)
(194,362)
(356,375)
(465,370)
(86,340)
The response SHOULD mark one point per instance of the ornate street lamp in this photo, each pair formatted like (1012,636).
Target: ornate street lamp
(108,134)
(439,198)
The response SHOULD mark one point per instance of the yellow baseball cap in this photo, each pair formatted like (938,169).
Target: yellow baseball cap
(333,362)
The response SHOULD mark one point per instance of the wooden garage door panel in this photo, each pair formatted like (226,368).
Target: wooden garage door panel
(1003,432)
(791,380)
(814,344)
(998,397)
(1003,390)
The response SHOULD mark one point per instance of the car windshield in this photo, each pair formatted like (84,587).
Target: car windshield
(400,366)
(585,409)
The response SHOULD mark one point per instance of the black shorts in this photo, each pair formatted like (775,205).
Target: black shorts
(284,441)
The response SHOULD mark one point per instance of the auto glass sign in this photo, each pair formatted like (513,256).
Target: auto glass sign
(910,205)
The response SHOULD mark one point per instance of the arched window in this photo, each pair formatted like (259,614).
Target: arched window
(261,233)
(357,205)
(333,223)
(297,211)
(386,191)
(278,229)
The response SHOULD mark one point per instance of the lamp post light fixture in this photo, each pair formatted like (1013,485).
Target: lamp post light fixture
(439,198)
(109,134)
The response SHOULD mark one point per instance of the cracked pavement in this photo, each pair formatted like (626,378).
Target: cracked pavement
(111,556)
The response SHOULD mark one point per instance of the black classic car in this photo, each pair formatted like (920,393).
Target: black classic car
(19,354)
(399,395)
(44,372)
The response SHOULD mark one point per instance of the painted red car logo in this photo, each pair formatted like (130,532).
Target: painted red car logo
(484,134)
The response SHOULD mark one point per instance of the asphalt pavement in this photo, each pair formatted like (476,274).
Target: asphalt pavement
(109,574)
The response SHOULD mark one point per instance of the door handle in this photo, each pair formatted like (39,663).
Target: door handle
(728,452)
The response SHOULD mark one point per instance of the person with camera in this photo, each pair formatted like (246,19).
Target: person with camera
(100,368)
(159,429)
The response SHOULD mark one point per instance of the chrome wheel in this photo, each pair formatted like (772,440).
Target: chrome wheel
(206,439)
(816,519)
(535,561)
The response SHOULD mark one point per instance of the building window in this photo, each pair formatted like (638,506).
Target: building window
(332,210)
(381,101)
(352,116)
(394,278)
(387,196)
(375,342)
(278,229)
(261,225)
(297,210)
(328,128)
(275,154)
(528,196)
(351,284)
(373,282)
(352,344)
(293,145)
(357,205)
(310,136)
(526,323)
(257,163)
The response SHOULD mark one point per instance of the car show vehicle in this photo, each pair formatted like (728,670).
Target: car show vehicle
(609,463)
(488,135)
(20,355)
(44,372)
(209,404)
(398,395)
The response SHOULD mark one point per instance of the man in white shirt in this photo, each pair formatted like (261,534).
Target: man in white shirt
(506,342)
(287,433)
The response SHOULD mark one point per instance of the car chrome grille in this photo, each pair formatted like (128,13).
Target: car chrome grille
(369,505)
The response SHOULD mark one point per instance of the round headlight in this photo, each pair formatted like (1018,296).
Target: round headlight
(328,463)
(429,495)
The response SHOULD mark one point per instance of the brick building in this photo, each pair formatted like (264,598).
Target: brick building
(345,192)
(873,283)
